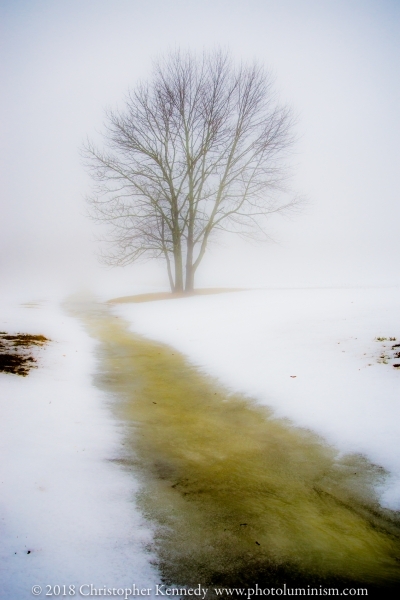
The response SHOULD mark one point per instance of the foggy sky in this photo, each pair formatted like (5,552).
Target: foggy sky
(336,63)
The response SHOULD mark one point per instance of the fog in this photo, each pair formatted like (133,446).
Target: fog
(336,64)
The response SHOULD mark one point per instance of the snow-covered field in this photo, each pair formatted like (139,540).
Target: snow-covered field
(67,512)
(310,354)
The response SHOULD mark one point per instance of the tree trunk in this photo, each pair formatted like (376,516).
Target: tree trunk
(169,271)
(178,286)
(189,287)
(189,283)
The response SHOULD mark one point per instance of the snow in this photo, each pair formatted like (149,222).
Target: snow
(310,354)
(62,498)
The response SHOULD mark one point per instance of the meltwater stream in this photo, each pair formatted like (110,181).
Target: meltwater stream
(236,496)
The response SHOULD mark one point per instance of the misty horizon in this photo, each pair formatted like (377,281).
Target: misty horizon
(334,65)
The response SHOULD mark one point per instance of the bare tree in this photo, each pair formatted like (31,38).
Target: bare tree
(199,148)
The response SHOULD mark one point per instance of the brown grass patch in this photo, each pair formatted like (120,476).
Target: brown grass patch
(153,297)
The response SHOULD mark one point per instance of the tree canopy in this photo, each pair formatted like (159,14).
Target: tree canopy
(199,148)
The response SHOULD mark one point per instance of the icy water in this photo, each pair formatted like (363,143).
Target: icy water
(238,497)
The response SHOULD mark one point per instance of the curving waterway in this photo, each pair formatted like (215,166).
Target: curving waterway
(236,496)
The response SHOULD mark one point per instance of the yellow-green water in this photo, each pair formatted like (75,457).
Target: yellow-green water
(236,496)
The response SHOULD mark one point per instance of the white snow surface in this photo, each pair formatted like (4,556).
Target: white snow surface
(61,498)
(309,354)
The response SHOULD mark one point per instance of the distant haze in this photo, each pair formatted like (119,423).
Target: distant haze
(336,64)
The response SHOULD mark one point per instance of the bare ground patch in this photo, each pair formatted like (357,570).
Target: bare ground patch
(15,352)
